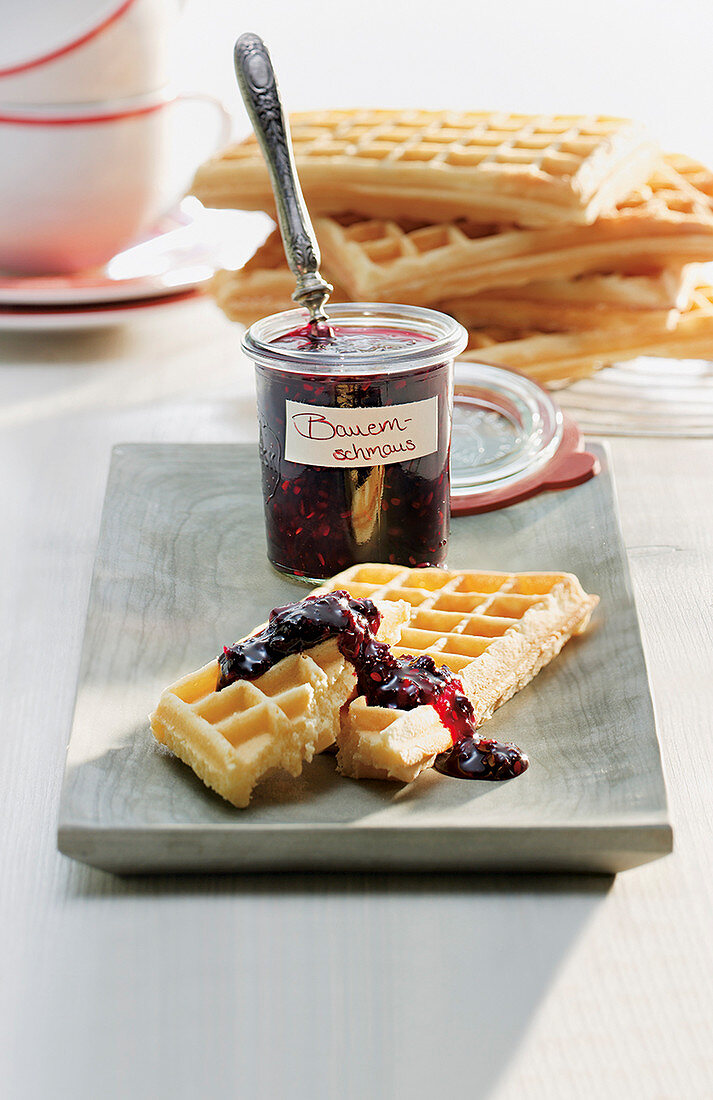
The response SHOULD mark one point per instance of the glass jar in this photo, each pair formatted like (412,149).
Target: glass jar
(355,431)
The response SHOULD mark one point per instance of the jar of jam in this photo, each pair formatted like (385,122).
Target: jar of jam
(355,431)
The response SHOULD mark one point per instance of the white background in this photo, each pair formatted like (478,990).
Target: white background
(647,59)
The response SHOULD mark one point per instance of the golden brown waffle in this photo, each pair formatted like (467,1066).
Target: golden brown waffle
(556,357)
(668,222)
(694,173)
(530,170)
(519,308)
(493,630)
(264,285)
(669,288)
(233,738)
(578,302)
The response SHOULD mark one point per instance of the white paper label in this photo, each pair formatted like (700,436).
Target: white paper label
(318,435)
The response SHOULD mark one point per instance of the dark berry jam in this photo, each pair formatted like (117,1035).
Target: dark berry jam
(379,502)
(349,339)
(300,626)
(385,680)
(403,683)
(482,758)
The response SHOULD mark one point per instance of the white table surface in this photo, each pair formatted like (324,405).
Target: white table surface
(321,987)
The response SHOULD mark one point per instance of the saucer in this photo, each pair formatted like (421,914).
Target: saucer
(180,253)
(22,318)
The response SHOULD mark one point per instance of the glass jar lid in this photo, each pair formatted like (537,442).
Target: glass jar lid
(381,338)
(505,429)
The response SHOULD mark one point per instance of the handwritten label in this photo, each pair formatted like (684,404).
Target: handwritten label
(318,435)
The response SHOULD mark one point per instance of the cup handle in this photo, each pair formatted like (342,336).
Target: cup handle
(189,157)
(226,120)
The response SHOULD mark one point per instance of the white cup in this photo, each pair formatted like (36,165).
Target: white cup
(82,51)
(78,186)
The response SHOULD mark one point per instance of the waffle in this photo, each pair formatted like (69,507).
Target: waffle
(532,170)
(669,222)
(555,357)
(233,738)
(669,288)
(493,630)
(264,285)
(556,306)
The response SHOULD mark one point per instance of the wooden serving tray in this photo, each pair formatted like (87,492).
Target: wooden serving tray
(181,569)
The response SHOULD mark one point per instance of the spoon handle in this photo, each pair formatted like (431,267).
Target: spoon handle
(258,86)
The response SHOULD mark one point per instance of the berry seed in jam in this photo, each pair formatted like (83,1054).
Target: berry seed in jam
(355,426)
(385,680)
(482,758)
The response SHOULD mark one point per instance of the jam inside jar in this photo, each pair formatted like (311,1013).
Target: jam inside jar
(355,428)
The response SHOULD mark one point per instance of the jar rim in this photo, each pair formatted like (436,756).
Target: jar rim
(447,339)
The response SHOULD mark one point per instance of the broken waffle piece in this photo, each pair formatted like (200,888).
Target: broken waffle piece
(380,743)
(233,734)
(494,631)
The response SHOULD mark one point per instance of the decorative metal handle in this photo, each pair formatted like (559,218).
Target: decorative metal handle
(258,86)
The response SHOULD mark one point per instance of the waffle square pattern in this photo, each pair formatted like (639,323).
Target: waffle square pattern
(495,631)
(530,170)
(265,284)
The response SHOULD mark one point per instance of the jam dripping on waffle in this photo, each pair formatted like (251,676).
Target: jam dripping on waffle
(482,758)
(403,683)
(300,626)
(385,680)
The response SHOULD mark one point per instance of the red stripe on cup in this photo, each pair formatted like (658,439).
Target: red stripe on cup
(24,66)
(83,120)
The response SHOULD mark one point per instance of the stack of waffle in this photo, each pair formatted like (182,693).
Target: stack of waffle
(562,243)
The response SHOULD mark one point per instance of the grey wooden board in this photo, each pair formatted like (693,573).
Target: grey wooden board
(181,569)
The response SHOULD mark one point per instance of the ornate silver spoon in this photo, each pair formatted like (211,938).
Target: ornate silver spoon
(258,86)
